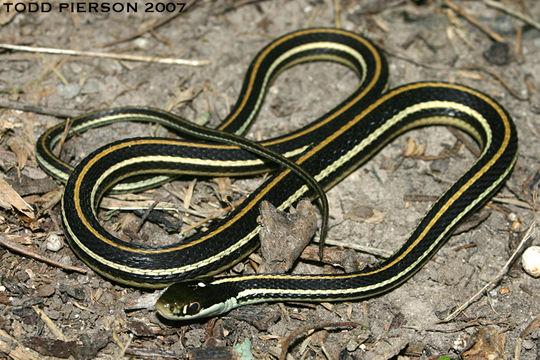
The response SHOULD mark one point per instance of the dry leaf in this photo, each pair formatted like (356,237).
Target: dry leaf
(10,199)
(412,149)
(7,125)
(189,194)
(489,345)
(17,146)
(224,188)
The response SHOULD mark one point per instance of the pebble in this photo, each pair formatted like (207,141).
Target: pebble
(352,346)
(440,165)
(54,242)
(66,260)
(142,43)
(530,260)
(498,53)
(527,344)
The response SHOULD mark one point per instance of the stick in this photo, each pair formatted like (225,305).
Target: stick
(365,249)
(13,246)
(475,22)
(310,329)
(337,13)
(56,112)
(105,55)
(149,28)
(528,234)
(513,13)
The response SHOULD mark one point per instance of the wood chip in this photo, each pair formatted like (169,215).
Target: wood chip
(284,236)
(213,353)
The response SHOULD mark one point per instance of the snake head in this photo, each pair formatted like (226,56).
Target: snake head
(195,299)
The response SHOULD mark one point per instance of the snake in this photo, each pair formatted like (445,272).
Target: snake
(302,163)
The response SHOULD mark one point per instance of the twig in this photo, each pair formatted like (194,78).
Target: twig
(531,89)
(513,13)
(310,328)
(383,6)
(126,345)
(475,22)
(128,204)
(13,246)
(399,55)
(50,324)
(337,13)
(24,352)
(473,323)
(149,28)
(56,112)
(499,78)
(469,144)
(145,216)
(365,249)
(128,57)
(220,10)
(518,48)
(532,325)
(514,202)
(208,218)
(64,137)
(492,73)
(528,234)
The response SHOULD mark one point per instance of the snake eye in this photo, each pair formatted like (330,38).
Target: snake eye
(192,308)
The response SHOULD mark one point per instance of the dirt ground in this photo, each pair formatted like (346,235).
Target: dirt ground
(48,311)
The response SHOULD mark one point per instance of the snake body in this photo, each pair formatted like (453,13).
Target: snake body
(326,150)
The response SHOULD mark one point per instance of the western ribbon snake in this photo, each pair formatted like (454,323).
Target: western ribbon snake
(326,150)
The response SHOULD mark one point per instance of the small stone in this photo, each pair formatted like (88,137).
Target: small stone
(54,242)
(142,43)
(66,260)
(440,166)
(352,346)
(498,53)
(512,216)
(530,260)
